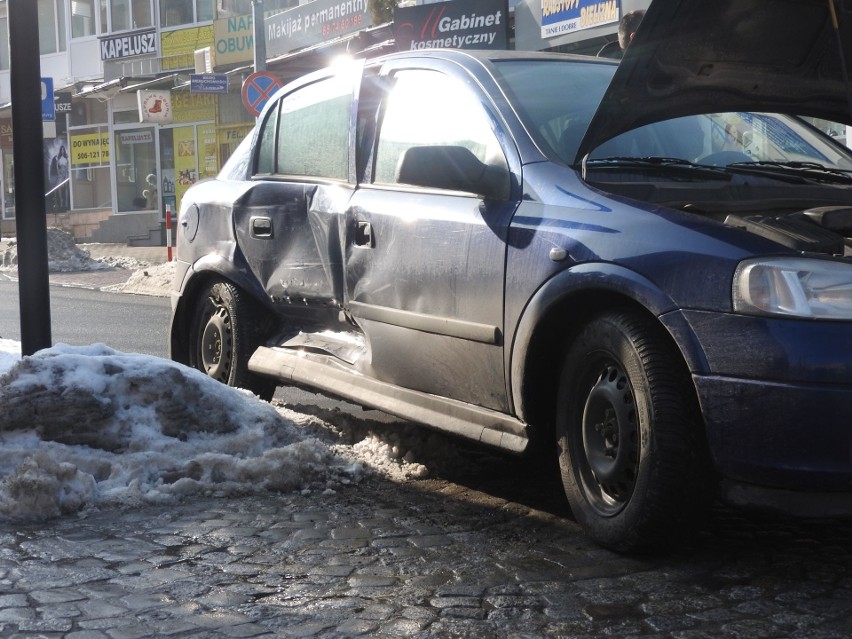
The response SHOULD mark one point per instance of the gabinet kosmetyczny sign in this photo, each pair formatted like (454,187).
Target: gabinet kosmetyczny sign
(459,24)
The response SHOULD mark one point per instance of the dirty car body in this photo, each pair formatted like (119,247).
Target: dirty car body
(646,263)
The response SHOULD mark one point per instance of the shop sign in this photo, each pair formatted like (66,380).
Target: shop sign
(559,17)
(460,24)
(6,134)
(179,46)
(48,106)
(128,45)
(193,107)
(155,106)
(136,137)
(186,169)
(312,23)
(208,83)
(90,148)
(63,102)
(233,40)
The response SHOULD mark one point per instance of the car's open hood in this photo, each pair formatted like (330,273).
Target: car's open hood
(703,56)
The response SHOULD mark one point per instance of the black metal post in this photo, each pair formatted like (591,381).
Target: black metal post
(27,145)
(259,35)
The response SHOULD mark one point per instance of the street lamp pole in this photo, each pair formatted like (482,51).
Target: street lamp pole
(259,36)
(27,147)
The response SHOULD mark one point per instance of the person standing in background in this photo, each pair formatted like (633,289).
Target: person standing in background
(627,28)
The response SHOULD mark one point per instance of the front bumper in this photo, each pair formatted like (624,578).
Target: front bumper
(776,398)
(780,435)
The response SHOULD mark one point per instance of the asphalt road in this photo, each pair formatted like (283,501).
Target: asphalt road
(79,316)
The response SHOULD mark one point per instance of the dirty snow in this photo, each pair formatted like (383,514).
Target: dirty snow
(88,427)
(63,254)
(150,280)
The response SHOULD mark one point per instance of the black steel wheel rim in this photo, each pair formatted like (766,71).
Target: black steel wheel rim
(610,441)
(216,343)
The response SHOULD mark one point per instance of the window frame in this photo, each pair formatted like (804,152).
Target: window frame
(54,11)
(163,7)
(272,116)
(389,77)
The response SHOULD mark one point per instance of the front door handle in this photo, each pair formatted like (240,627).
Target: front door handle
(364,234)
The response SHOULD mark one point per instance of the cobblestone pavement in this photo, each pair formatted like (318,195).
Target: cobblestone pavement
(485,552)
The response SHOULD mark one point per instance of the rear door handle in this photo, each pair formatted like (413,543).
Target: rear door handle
(364,234)
(261,227)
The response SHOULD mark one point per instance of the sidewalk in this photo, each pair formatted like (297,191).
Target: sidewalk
(127,260)
(151,254)
(120,263)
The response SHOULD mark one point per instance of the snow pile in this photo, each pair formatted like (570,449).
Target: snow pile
(124,263)
(10,353)
(83,427)
(151,280)
(63,255)
(88,427)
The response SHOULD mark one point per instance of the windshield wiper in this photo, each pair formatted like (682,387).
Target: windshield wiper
(813,170)
(653,162)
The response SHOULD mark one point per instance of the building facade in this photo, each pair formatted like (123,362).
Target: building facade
(133,128)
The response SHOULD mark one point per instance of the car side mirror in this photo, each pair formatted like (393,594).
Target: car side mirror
(454,168)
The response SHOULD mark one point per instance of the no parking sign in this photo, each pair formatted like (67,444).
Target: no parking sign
(257,89)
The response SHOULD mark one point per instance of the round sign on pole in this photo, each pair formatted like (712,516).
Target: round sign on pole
(257,89)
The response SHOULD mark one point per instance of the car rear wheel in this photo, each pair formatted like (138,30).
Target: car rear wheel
(633,464)
(223,336)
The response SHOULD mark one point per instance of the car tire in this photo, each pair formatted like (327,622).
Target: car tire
(223,336)
(631,453)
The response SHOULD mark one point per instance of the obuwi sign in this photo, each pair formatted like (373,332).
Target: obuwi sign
(459,24)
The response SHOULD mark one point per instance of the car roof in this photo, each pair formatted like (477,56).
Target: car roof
(704,56)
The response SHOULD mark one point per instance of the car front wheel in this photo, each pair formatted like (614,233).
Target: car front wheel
(630,450)
(223,337)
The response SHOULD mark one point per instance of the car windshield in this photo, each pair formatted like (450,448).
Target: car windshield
(557,99)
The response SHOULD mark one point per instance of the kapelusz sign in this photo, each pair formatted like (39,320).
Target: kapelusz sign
(559,17)
(459,24)
(128,45)
(312,23)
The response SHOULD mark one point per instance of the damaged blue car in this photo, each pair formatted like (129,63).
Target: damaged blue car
(643,266)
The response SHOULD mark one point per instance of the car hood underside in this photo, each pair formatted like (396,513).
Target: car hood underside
(702,56)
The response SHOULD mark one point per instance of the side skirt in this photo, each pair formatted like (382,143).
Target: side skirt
(332,375)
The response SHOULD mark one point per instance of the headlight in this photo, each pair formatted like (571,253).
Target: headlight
(794,287)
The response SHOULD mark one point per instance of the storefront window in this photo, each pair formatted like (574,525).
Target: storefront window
(136,169)
(4,44)
(177,12)
(8,185)
(57,171)
(90,154)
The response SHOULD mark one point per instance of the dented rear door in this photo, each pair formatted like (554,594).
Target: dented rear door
(288,225)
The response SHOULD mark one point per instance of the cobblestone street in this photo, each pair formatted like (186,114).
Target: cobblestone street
(465,555)
(485,548)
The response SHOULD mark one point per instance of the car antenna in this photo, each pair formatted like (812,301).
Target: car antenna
(836,24)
